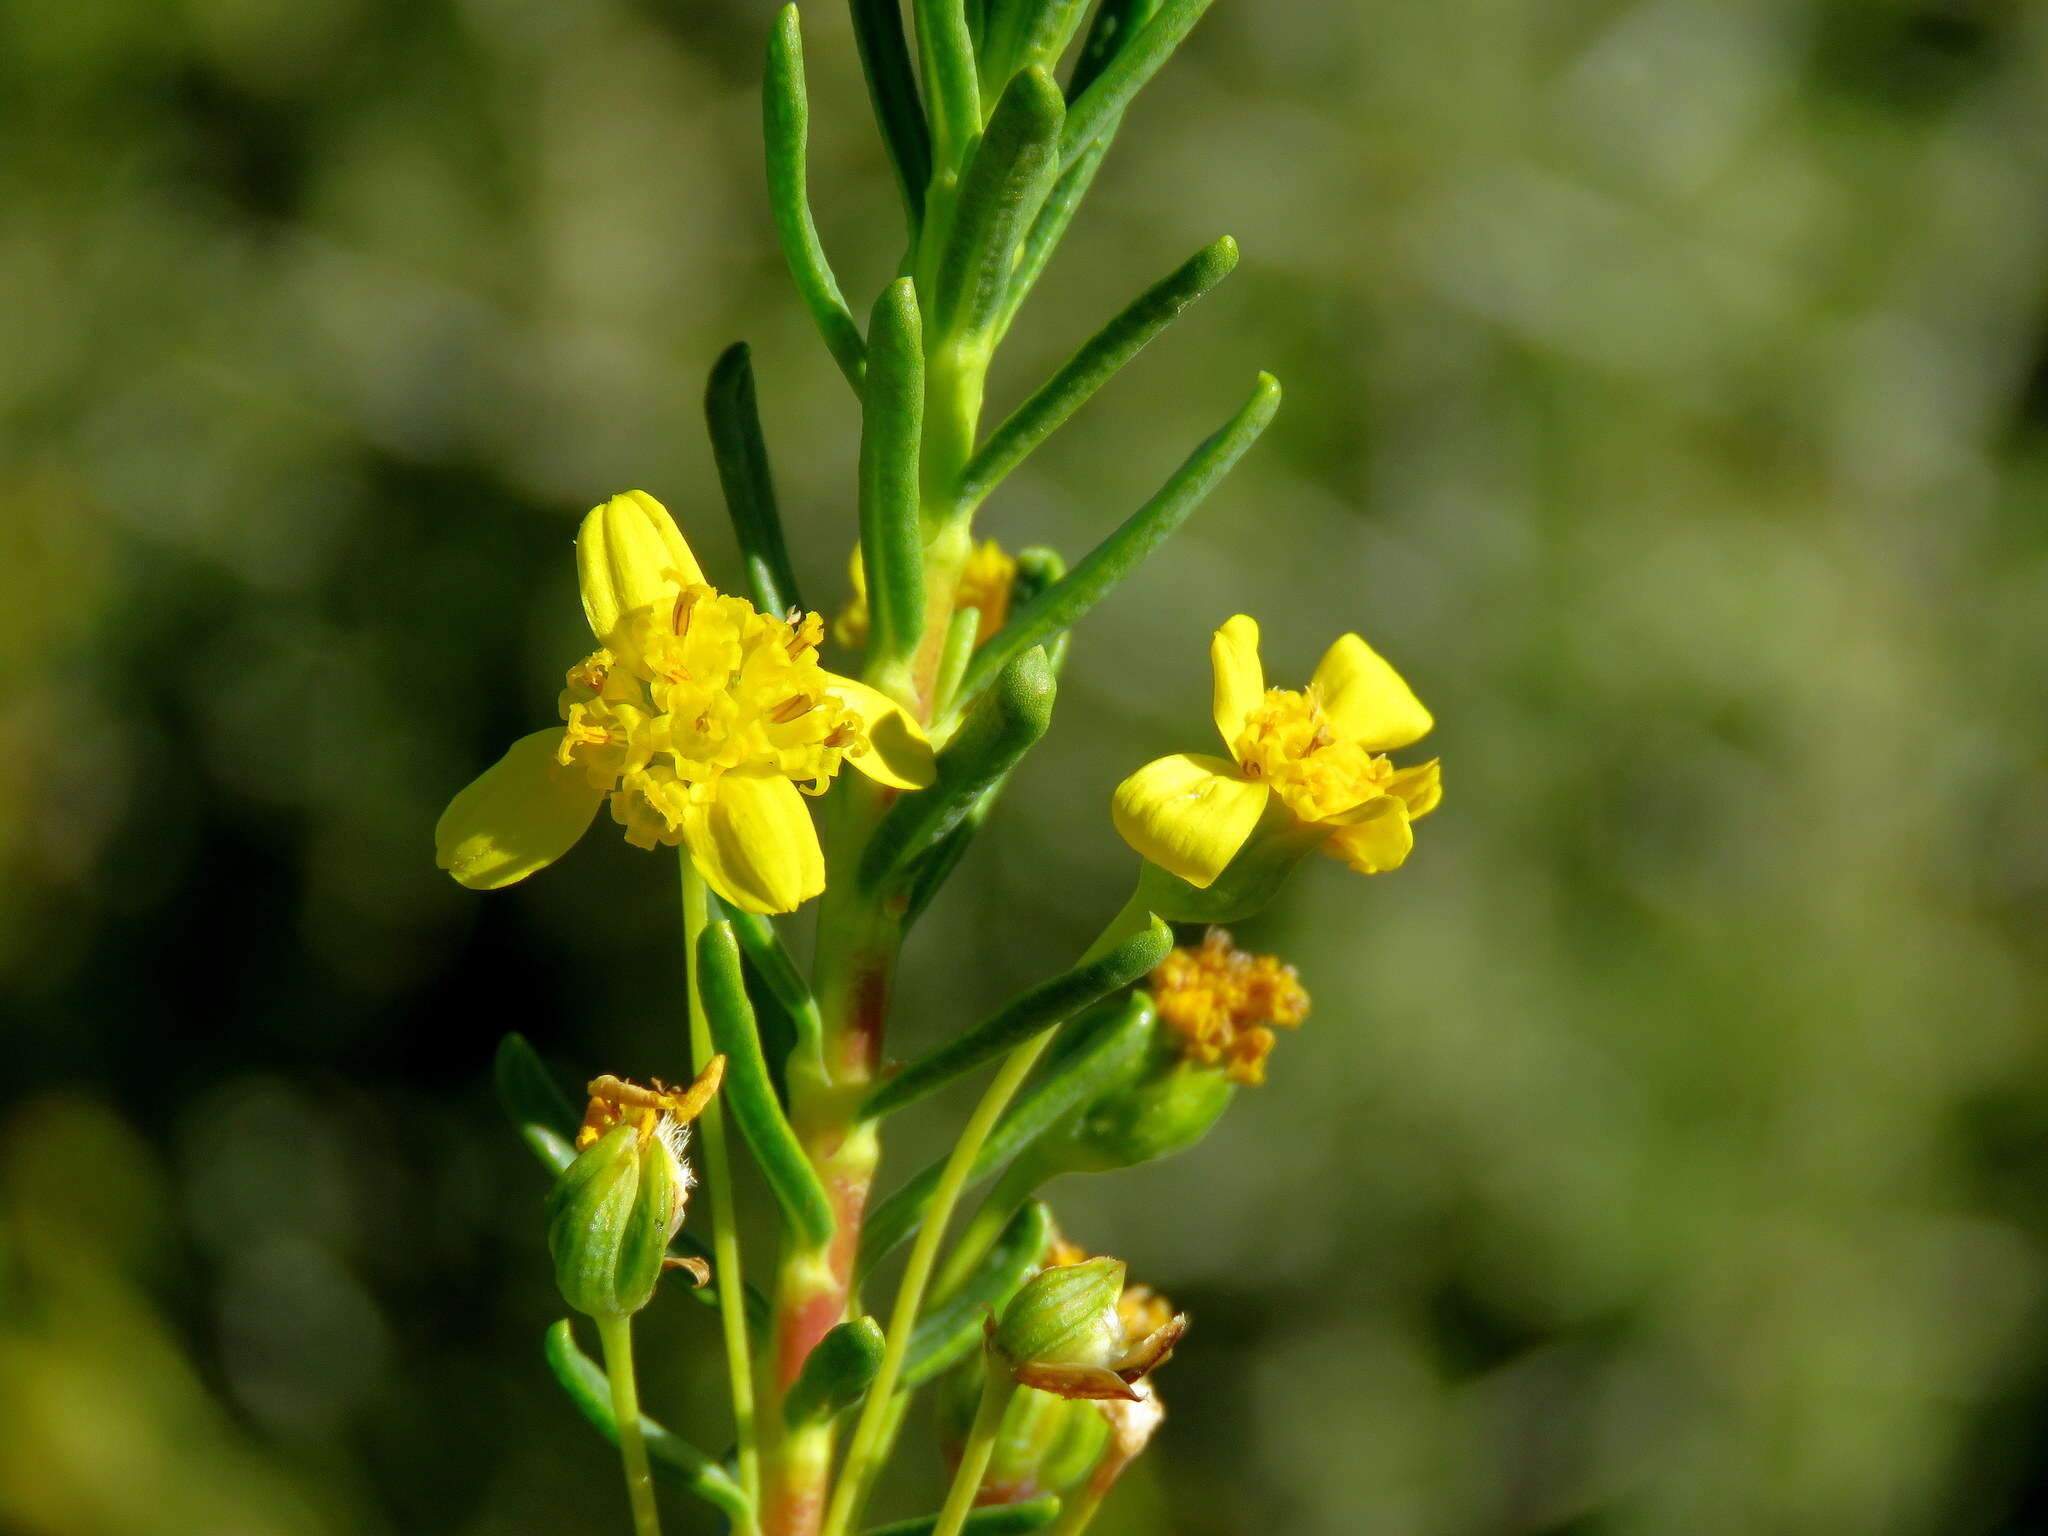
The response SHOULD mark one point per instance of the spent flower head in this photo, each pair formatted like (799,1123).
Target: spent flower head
(1222,1004)
(617,1206)
(1065,1333)
(701,720)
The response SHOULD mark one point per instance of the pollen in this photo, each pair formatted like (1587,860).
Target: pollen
(1287,742)
(696,689)
(1223,1003)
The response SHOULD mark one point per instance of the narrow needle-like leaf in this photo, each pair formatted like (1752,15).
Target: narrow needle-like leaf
(952,93)
(733,415)
(785,122)
(892,87)
(1015,167)
(1061,605)
(836,1372)
(1097,109)
(951,1327)
(892,430)
(674,1460)
(1093,366)
(1031,1013)
(1106,1043)
(751,1094)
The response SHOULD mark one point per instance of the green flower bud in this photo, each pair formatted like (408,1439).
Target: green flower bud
(610,1217)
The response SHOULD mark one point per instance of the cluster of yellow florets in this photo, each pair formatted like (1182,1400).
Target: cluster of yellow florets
(1287,743)
(697,690)
(1222,1003)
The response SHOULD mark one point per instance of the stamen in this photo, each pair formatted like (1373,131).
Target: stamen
(791,708)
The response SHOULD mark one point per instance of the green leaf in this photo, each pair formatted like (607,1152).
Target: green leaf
(785,124)
(999,730)
(837,1371)
(1098,109)
(1014,169)
(892,430)
(749,1092)
(733,414)
(1037,569)
(1116,23)
(1032,1013)
(892,88)
(778,973)
(951,92)
(1025,33)
(1093,366)
(534,1102)
(1050,227)
(1092,1055)
(997,1520)
(952,1327)
(1062,605)
(674,1460)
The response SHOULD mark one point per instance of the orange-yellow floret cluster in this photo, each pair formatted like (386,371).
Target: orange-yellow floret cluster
(1223,1004)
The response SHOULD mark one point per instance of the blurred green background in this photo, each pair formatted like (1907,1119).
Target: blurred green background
(1667,395)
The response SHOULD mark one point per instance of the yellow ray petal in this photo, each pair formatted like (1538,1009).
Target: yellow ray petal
(1420,788)
(754,843)
(1189,814)
(520,814)
(629,553)
(1240,680)
(898,753)
(1364,698)
(1378,841)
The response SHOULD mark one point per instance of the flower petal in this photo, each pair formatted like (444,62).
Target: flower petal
(1377,841)
(1365,699)
(1240,680)
(754,842)
(629,554)
(520,814)
(1189,814)
(1420,788)
(898,753)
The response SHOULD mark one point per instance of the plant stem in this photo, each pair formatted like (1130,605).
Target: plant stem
(616,1335)
(725,1238)
(871,1433)
(996,1393)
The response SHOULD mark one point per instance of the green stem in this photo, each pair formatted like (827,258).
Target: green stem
(871,1433)
(616,1334)
(996,1393)
(725,1238)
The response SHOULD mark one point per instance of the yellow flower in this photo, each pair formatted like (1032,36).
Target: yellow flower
(985,584)
(1316,756)
(702,721)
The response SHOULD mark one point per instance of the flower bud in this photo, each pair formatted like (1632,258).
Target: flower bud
(610,1219)
(1063,1333)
